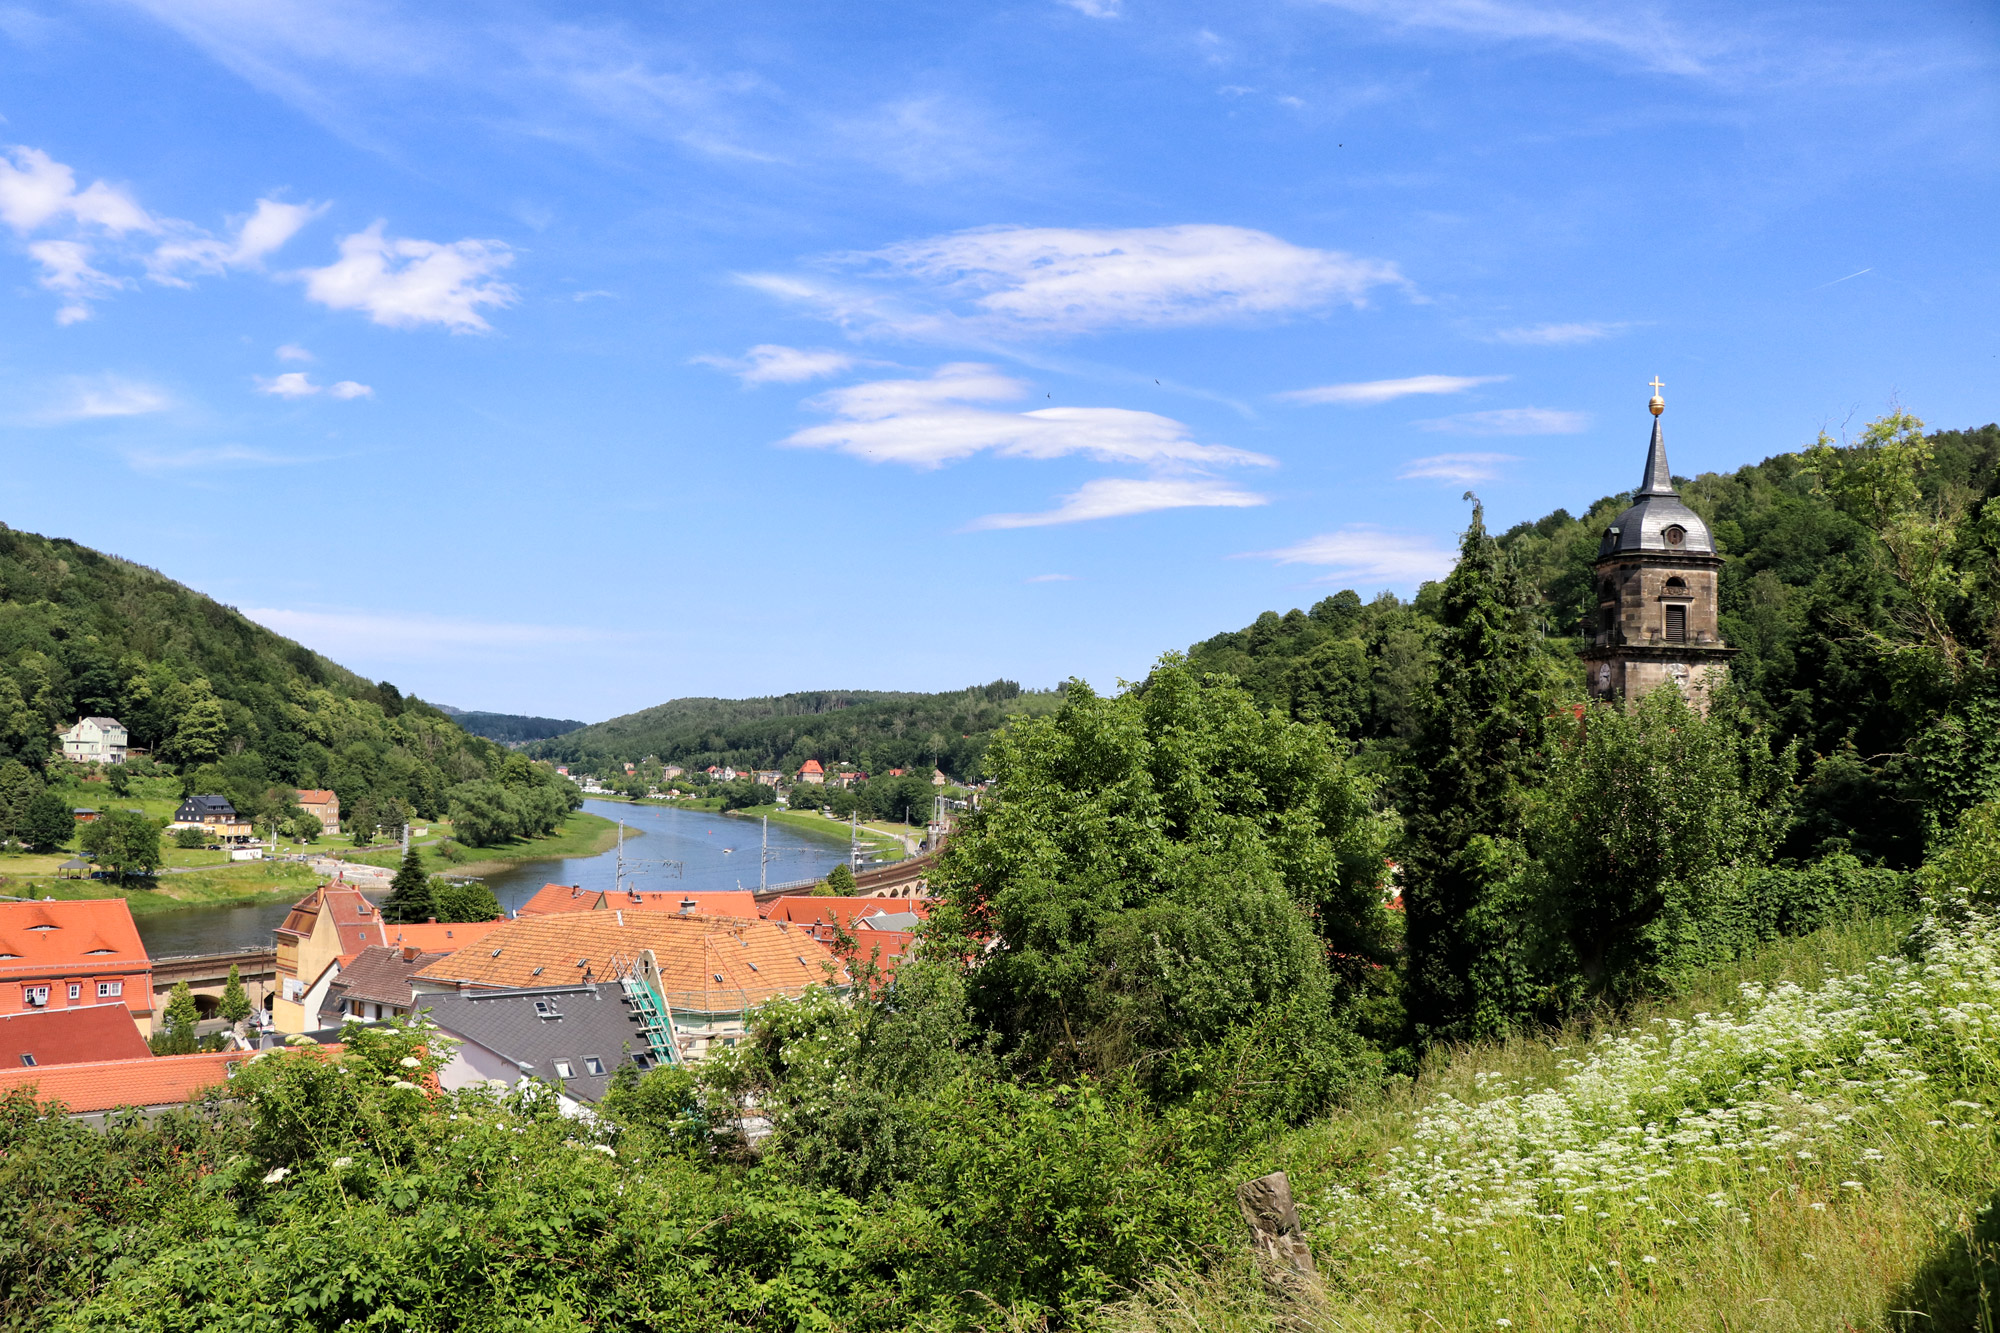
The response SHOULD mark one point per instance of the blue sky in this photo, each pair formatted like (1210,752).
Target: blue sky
(569,358)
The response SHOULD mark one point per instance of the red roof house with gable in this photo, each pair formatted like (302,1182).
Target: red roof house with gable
(69,1036)
(62,955)
(90,1089)
(328,925)
(810,771)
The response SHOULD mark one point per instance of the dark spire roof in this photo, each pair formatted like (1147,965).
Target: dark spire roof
(1659,478)
(1657,520)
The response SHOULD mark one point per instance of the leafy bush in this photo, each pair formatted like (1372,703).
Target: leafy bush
(187,839)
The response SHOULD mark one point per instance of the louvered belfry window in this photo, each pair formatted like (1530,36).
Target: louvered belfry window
(1677,624)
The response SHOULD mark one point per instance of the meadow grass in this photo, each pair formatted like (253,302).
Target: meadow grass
(1802,1140)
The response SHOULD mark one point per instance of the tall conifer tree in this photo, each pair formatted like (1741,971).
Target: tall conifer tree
(1462,854)
(409,897)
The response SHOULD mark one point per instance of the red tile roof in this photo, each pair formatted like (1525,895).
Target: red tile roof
(440,936)
(712,964)
(359,923)
(56,938)
(811,766)
(808,910)
(316,797)
(70,1036)
(105,1085)
(555,898)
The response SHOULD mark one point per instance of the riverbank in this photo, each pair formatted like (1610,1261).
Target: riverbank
(581,834)
(887,845)
(241,884)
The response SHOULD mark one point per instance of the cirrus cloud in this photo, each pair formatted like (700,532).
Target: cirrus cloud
(1456,467)
(771,363)
(926,423)
(1557,335)
(1014,281)
(298,384)
(1120,497)
(1369,392)
(1365,553)
(1511,421)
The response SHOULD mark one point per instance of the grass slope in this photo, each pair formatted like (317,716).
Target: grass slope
(1804,1141)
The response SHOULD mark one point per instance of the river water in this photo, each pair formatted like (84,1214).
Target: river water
(713,853)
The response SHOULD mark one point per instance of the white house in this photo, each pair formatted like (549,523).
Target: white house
(99,740)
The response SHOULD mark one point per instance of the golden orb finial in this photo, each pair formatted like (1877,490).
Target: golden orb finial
(1658,404)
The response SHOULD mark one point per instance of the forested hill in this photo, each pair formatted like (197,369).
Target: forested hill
(512,728)
(232,707)
(1813,598)
(872,729)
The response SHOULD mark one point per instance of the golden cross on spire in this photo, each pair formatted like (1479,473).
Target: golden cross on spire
(1657,386)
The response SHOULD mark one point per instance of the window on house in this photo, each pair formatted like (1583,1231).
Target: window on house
(640,1061)
(35,996)
(717,976)
(562,1069)
(592,1065)
(27,1059)
(76,990)
(107,989)
(1677,624)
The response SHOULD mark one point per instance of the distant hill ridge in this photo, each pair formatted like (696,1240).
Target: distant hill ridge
(875,730)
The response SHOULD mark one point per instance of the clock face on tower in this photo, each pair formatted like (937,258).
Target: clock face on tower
(1675,535)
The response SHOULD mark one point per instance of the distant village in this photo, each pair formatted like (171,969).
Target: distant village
(571,988)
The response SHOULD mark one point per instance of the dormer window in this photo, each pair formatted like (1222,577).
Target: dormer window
(1674,535)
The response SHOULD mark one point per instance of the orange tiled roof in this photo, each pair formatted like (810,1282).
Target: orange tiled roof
(105,1085)
(70,1036)
(552,898)
(317,797)
(440,936)
(354,917)
(703,961)
(51,938)
(811,766)
(808,910)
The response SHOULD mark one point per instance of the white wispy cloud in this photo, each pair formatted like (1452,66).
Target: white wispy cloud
(102,397)
(256,237)
(1369,392)
(1637,34)
(1511,421)
(205,457)
(294,353)
(36,190)
(365,636)
(771,363)
(1119,497)
(1012,281)
(1050,578)
(1097,9)
(927,423)
(404,283)
(299,384)
(1456,467)
(1368,554)
(1557,335)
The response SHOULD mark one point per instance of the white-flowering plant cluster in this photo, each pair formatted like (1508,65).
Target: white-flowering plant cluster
(1675,1130)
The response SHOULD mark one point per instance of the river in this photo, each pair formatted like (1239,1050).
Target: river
(714,852)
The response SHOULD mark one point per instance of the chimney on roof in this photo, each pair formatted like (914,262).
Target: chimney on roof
(409,953)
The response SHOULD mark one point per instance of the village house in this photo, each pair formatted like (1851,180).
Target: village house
(62,955)
(327,931)
(704,976)
(92,1091)
(43,1037)
(577,1037)
(215,816)
(810,771)
(376,985)
(552,898)
(881,931)
(95,740)
(323,806)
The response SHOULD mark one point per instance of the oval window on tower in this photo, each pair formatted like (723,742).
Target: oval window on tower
(1675,534)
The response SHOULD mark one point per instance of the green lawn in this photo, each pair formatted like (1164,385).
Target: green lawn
(24,875)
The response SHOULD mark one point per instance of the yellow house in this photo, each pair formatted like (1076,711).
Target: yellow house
(325,929)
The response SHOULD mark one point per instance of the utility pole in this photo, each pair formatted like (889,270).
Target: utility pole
(764,858)
(853,842)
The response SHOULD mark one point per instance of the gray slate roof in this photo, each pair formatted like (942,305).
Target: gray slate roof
(194,807)
(580,1022)
(379,975)
(1656,507)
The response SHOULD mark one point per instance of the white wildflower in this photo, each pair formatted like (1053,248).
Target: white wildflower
(276,1174)
(342,1163)
(410,1062)
(404,1083)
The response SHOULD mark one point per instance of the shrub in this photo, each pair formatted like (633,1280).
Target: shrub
(187,839)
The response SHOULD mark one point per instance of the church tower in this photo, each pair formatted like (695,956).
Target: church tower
(1656,577)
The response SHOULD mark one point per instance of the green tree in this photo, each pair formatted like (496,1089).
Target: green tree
(18,789)
(200,728)
(1469,770)
(177,1030)
(50,823)
(465,900)
(235,1006)
(125,842)
(839,882)
(1153,870)
(190,838)
(304,827)
(119,781)
(409,897)
(1642,829)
